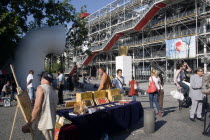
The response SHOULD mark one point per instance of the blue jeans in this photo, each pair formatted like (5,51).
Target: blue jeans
(31,93)
(133,98)
(11,94)
(185,88)
(153,97)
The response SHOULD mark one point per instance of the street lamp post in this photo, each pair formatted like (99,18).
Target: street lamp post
(74,32)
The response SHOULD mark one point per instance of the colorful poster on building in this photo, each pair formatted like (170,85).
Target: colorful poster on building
(181,48)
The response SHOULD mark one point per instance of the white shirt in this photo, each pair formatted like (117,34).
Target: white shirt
(118,84)
(156,80)
(61,78)
(29,77)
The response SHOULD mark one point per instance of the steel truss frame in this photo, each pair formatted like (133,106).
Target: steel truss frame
(174,23)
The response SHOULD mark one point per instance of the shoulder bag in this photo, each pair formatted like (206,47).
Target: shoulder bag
(152,87)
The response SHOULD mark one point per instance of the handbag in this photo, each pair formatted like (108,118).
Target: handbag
(135,86)
(177,95)
(152,87)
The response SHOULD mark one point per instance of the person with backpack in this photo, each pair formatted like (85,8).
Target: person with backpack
(119,81)
(196,95)
(153,88)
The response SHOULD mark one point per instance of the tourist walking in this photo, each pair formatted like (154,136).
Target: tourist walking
(196,95)
(133,84)
(119,81)
(44,111)
(60,86)
(29,85)
(161,90)
(105,80)
(153,97)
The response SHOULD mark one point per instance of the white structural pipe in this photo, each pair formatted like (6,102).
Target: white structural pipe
(33,49)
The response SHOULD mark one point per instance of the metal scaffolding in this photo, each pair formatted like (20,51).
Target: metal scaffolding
(147,46)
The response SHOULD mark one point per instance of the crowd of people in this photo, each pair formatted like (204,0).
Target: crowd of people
(195,87)
(119,82)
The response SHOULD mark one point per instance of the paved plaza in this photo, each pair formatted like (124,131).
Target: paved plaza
(174,125)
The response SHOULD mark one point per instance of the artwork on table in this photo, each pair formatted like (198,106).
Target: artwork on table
(100,94)
(111,93)
(100,107)
(111,105)
(100,101)
(70,103)
(89,102)
(125,101)
(181,48)
(84,96)
(79,107)
(116,98)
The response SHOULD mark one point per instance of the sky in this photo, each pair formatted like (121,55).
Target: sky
(92,5)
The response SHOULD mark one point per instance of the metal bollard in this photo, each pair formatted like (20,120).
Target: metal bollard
(149,121)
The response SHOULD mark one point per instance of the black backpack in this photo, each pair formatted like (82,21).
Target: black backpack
(187,102)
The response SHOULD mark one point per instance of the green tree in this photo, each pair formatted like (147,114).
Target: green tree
(77,34)
(17,17)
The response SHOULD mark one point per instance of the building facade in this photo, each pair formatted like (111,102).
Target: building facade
(159,33)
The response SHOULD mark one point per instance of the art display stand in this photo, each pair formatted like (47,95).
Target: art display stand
(24,104)
(125,63)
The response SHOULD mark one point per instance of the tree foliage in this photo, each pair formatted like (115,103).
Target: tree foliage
(17,17)
(76,38)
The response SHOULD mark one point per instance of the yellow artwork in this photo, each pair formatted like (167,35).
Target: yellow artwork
(123,50)
(79,107)
(25,104)
(100,94)
(84,96)
(70,103)
(112,93)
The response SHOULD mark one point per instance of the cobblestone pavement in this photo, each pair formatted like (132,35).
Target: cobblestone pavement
(174,125)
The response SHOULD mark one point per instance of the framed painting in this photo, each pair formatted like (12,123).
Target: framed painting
(100,101)
(116,98)
(88,102)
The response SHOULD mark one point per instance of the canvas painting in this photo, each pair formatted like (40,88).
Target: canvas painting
(181,48)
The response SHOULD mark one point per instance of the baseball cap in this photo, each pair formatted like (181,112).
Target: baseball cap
(48,76)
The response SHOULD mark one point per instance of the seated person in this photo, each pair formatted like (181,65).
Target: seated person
(7,89)
(179,79)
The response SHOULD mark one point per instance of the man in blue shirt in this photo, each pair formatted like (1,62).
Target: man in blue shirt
(119,81)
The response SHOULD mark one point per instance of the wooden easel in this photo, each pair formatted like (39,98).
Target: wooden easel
(23,100)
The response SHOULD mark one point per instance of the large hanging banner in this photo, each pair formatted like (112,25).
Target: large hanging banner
(181,48)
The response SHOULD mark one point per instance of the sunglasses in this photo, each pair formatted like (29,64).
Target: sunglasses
(200,71)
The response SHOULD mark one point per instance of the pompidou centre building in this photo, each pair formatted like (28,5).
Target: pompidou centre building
(159,34)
